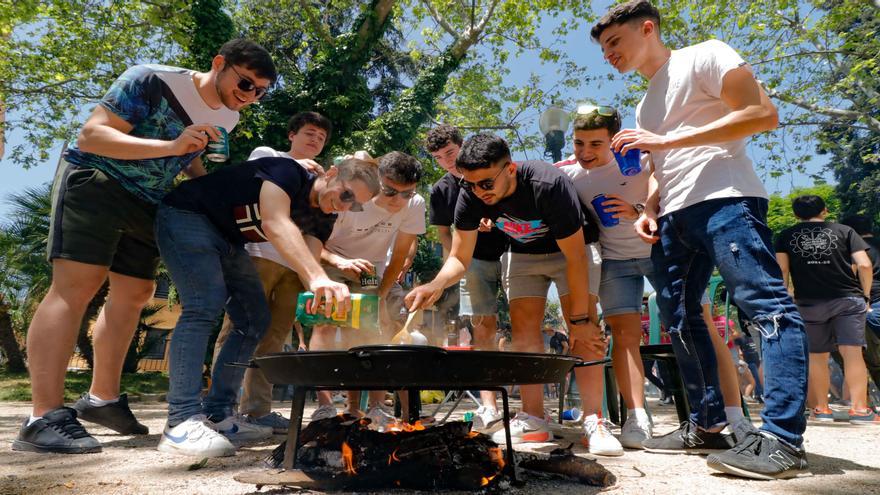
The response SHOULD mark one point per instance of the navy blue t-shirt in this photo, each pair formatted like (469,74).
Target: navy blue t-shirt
(543,208)
(230,198)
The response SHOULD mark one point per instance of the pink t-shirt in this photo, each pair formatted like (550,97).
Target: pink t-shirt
(721,324)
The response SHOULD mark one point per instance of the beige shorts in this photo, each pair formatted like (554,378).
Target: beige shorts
(530,275)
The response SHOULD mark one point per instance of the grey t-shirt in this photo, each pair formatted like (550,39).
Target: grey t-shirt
(619,242)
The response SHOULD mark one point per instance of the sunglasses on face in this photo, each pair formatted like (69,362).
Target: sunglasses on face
(246,85)
(347,196)
(485,184)
(391,192)
(605,111)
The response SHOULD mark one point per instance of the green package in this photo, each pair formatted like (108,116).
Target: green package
(364,314)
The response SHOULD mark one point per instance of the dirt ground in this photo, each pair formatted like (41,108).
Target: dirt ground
(843,459)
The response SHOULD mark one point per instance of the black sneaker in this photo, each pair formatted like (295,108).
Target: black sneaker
(57,432)
(688,439)
(117,415)
(760,456)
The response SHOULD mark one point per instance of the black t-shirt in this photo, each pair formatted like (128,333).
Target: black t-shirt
(444,196)
(543,208)
(820,259)
(874,254)
(748,348)
(557,341)
(230,198)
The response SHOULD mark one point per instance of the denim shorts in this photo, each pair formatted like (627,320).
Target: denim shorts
(833,322)
(479,289)
(530,275)
(623,284)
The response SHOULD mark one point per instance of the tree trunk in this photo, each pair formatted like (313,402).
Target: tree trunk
(8,343)
(84,340)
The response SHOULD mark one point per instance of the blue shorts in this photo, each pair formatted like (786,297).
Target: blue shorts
(623,284)
(479,289)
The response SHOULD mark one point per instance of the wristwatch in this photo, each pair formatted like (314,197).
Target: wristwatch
(640,208)
(581,320)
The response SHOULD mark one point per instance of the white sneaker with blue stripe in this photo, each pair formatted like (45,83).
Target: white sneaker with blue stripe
(196,437)
(237,429)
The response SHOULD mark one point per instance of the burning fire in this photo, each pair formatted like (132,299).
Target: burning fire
(393,457)
(347,459)
(485,481)
(472,434)
(404,426)
(497,457)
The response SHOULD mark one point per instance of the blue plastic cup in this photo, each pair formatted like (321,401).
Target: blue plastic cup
(606,217)
(630,163)
(573,414)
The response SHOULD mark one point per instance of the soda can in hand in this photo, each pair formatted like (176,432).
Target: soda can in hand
(218,151)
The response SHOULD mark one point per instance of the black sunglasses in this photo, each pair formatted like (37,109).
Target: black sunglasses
(391,192)
(347,196)
(246,85)
(485,184)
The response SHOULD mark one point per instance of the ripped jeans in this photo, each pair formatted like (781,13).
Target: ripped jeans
(732,234)
(210,273)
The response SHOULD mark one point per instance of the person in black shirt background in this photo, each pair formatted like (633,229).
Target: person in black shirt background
(863,226)
(820,256)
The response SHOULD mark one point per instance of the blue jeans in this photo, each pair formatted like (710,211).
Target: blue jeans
(732,234)
(873,320)
(209,273)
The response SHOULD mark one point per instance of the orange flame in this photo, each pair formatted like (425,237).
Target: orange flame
(393,457)
(348,459)
(497,457)
(399,426)
(485,481)
(472,434)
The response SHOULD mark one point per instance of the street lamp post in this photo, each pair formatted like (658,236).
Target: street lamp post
(553,124)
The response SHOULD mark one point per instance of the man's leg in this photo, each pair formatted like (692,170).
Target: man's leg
(820,380)
(856,375)
(626,332)
(53,330)
(526,315)
(114,329)
(727,375)
(479,300)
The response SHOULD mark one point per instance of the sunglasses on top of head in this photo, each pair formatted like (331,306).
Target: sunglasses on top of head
(603,110)
(245,84)
(485,184)
(391,192)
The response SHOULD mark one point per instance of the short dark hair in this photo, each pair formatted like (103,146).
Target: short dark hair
(441,136)
(807,206)
(862,224)
(314,118)
(593,121)
(400,167)
(633,10)
(481,151)
(251,55)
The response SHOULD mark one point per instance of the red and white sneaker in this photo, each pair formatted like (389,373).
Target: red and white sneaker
(864,417)
(525,428)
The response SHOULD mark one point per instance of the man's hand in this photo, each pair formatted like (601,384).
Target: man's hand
(327,292)
(646,227)
(628,139)
(485,225)
(312,166)
(193,138)
(422,297)
(620,208)
(589,335)
(354,267)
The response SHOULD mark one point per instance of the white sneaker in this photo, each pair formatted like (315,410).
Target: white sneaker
(237,429)
(635,431)
(380,418)
(196,437)
(324,412)
(599,438)
(525,428)
(485,417)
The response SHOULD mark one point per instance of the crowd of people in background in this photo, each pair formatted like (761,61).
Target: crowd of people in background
(245,240)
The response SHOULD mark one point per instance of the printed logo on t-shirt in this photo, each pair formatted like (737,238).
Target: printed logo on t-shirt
(247,218)
(814,244)
(523,231)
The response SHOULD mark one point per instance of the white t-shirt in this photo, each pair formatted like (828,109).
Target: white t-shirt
(685,94)
(619,242)
(266,250)
(368,234)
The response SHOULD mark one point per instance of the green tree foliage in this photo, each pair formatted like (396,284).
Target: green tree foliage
(780,216)
(58,55)
(209,27)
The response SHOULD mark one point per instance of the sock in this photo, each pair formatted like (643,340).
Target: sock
(96,401)
(734,414)
(639,413)
(33,419)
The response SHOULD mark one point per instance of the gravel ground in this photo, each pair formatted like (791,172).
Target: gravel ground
(843,459)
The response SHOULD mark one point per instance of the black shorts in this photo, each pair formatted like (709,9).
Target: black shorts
(833,322)
(96,221)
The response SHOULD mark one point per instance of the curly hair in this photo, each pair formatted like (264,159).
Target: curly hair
(441,136)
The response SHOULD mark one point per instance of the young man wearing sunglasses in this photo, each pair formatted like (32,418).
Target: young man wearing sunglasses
(153,123)
(358,247)
(478,296)
(536,206)
(708,208)
(201,229)
(307,133)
